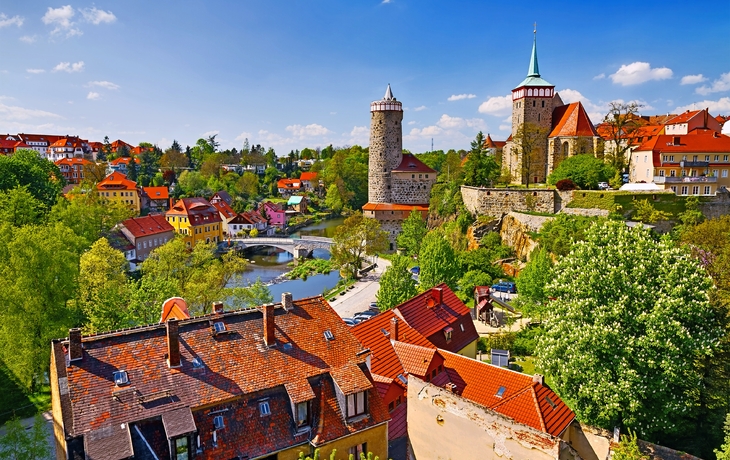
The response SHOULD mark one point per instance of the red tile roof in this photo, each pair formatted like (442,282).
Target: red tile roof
(684,117)
(398,426)
(410,163)
(227,213)
(238,370)
(123,160)
(289,184)
(415,359)
(572,120)
(491,144)
(394,207)
(116,181)
(148,225)
(527,402)
(698,141)
(199,211)
(73,161)
(13,144)
(310,176)
(157,193)
(431,318)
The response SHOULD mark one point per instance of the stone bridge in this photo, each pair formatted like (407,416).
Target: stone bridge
(298,247)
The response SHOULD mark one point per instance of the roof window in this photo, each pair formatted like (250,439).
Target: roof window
(121,378)
(197,363)
(500,392)
(328,335)
(264,408)
(550,401)
(403,379)
(220,327)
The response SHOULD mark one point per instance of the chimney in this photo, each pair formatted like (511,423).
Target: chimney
(173,343)
(438,295)
(538,378)
(75,351)
(218,308)
(269,337)
(394,328)
(286,301)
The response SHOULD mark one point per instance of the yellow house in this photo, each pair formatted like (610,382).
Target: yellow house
(197,220)
(116,188)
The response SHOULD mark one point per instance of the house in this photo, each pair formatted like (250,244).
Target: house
(147,233)
(117,188)
(120,242)
(197,220)
(492,147)
(239,224)
(73,169)
(309,181)
(119,144)
(288,186)
(121,164)
(221,196)
(67,147)
(227,214)
(443,319)
(275,214)
(156,199)
(297,203)
(257,221)
(10,145)
(267,382)
(38,142)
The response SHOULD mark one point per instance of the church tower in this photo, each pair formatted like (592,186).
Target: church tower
(386,146)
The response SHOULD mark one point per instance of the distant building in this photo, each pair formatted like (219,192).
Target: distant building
(121,164)
(9,145)
(297,203)
(265,383)
(73,169)
(288,186)
(147,233)
(309,181)
(156,199)
(227,215)
(221,196)
(275,214)
(117,188)
(196,220)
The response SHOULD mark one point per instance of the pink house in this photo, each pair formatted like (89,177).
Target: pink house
(275,213)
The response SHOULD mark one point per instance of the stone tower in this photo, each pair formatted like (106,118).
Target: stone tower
(386,146)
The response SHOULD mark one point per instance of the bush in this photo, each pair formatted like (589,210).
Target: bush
(565,185)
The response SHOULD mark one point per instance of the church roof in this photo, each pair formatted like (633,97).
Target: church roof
(572,120)
(492,144)
(410,163)
(533,72)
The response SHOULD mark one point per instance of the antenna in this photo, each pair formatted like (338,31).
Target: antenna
(432,144)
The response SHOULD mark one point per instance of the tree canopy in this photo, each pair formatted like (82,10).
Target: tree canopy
(357,237)
(396,284)
(585,170)
(439,263)
(412,233)
(25,168)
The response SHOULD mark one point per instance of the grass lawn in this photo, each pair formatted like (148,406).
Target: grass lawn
(15,402)
(527,364)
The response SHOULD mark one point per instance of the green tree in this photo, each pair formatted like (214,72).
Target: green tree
(396,284)
(25,168)
(412,233)
(254,233)
(644,211)
(559,234)
(471,280)
(691,217)
(477,145)
(192,183)
(333,200)
(252,295)
(480,170)
(248,185)
(621,125)
(357,237)
(132,170)
(628,448)
(585,170)
(20,444)
(532,281)
(724,452)
(103,288)
(630,322)
(146,297)
(18,207)
(438,261)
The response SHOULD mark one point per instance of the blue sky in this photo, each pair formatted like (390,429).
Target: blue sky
(292,74)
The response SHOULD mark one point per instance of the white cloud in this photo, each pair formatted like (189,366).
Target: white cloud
(307,131)
(418,109)
(35,71)
(639,72)
(505,127)
(14,113)
(693,79)
(600,76)
(720,106)
(719,85)
(28,39)
(459,97)
(61,19)
(412,122)
(428,131)
(97,16)
(448,129)
(104,84)
(359,135)
(69,67)
(448,122)
(386,2)
(93,96)
(14,21)
(498,105)
(595,112)
(215,132)
(242,136)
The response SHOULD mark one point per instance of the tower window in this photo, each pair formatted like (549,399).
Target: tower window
(538,117)
(533,103)
(543,103)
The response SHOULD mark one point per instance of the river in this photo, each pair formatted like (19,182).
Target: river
(268,264)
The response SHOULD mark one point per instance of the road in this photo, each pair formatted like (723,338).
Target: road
(359,298)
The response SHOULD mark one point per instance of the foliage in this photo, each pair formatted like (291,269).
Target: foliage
(310,267)
(644,211)
(630,320)
(412,233)
(18,207)
(532,281)
(38,278)
(585,170)
(333,456)
(470,280)
(628,448)
(446,199)
(480,170)
(559,234)
(438,261)
(25,168)
(252,295)
(396,284)
(336,196)
(192,183)
(565,185)
(620,126)
(724,452)
(691,217)
(348,168)
(666,201)
(146,296)
(527,144)
(357,237)
(254,233)
(20,444)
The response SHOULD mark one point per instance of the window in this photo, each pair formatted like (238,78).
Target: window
(181,448)
(302,414)
(671,157)
(724,173)
(645,157)
(707,157)
(724,158)
(684,190)
(672,173)
(121,378)
(391,406)
(543,103)
(707,189)
(661,173)
(665,158)
(264,408)
(447,334)
(355,451)
(674,188)
(714,173)
(356,404)
(219,327)
(218,422)
(695,190)
(500,392)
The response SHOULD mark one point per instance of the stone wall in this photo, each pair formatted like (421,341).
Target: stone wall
(498,201)
(412,190)
(386,153)
(516,232)
(718,206)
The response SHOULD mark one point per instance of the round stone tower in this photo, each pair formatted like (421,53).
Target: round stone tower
(386,146)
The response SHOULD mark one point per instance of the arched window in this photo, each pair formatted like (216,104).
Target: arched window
(529,92)
(542,92)
(565,149)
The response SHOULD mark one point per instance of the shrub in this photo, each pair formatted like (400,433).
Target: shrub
(565,185)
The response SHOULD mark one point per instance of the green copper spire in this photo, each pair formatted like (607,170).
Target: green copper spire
(534,70)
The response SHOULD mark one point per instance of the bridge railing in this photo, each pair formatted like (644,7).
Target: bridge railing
(320,239)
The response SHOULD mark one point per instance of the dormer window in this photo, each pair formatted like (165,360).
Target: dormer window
(447,334)
(302,415)
(121,378)
(356,404)
(218,422)
(220,327)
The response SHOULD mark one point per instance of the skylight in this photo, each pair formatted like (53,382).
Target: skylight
(550,401)
(219,327)
(403,379)
(121,378)
(386,333)
(264,408)
(328,335)
(197,363)
(500,392)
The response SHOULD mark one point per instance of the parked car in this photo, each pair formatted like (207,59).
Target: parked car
(365,314)
(505,286)
(603,186)
(351,321)
(374,307)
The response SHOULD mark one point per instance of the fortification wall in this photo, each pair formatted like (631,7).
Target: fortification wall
(498,201)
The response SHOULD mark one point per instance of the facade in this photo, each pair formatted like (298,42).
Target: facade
(256,220)
(9,145)
(227,215)
(309,181)
(275,214)
(67,147)
(297,203)
(122,164)
(288,186)
(269,382)
(156,199)
(221,196)
(196,220)
(397,183)
(39,142)
(116,188)
(147,233)
(555,130)
(73,169)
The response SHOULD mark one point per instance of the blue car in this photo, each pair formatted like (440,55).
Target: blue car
(505,286)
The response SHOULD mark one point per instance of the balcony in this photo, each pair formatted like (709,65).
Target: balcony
(685,179)
(694,164)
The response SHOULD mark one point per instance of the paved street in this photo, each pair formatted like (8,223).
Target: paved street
(359,298)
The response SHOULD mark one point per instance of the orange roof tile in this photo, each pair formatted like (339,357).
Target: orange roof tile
(153,224)
(415,359)
(73,161)
(157,193)
(289,184)
(310,176)
(572,120)
(684,117)
(123,160)
(116,181)
(224,210)
(410,163)
(198,211)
